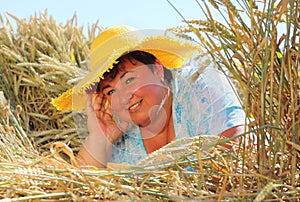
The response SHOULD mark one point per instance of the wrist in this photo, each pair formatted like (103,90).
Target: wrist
(98,147)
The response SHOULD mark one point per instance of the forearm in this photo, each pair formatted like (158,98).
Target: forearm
(96,151)
(233,132)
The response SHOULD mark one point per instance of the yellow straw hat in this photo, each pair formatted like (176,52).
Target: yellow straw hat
(115,41)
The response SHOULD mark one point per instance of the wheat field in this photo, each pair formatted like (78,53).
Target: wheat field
(40,59)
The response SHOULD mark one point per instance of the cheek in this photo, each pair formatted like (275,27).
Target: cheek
(114,103)
(152,94)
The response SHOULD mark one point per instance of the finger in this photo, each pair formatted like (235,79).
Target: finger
(106,116)
(99,114)
(89,104)
(108,109)
(103,101)
(103,115)
(97,103)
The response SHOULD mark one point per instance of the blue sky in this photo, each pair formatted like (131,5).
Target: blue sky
(142,14)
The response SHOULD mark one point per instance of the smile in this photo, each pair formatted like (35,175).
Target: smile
(135,106)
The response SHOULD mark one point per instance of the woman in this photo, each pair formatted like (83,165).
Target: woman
(143,101)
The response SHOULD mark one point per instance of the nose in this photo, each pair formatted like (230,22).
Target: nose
(124,96)
(121,98)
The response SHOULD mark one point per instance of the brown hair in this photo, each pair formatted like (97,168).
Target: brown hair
(141,56)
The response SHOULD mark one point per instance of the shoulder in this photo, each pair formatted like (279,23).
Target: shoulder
(185,71)
(197,76)
(195,72)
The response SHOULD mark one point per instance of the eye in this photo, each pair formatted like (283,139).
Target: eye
(110,92)
(129,80)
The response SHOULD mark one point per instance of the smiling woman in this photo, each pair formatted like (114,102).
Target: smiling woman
(139,95)
(145,97)
(136,86)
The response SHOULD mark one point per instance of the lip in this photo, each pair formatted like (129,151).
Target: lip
(135,107)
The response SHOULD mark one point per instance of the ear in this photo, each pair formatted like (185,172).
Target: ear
(159,70)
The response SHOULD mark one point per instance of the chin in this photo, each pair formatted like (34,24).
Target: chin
(142,122)
(137,119)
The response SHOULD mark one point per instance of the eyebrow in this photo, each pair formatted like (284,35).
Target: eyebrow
(104,87)
(108,86)
(125,74)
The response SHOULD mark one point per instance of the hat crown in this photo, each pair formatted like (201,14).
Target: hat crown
(110,33)
(111,41)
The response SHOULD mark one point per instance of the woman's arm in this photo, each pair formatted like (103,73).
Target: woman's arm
(232,132)
(95,151)
(103,132)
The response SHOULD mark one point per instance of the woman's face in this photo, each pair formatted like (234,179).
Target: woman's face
(136,92)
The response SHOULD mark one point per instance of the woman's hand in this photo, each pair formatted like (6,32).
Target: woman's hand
(100,120)
(103,130)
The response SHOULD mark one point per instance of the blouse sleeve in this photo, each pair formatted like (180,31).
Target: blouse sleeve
(208,103)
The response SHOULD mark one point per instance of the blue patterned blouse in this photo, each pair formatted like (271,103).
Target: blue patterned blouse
(204,104)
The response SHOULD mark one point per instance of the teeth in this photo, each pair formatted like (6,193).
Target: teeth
(134,106)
